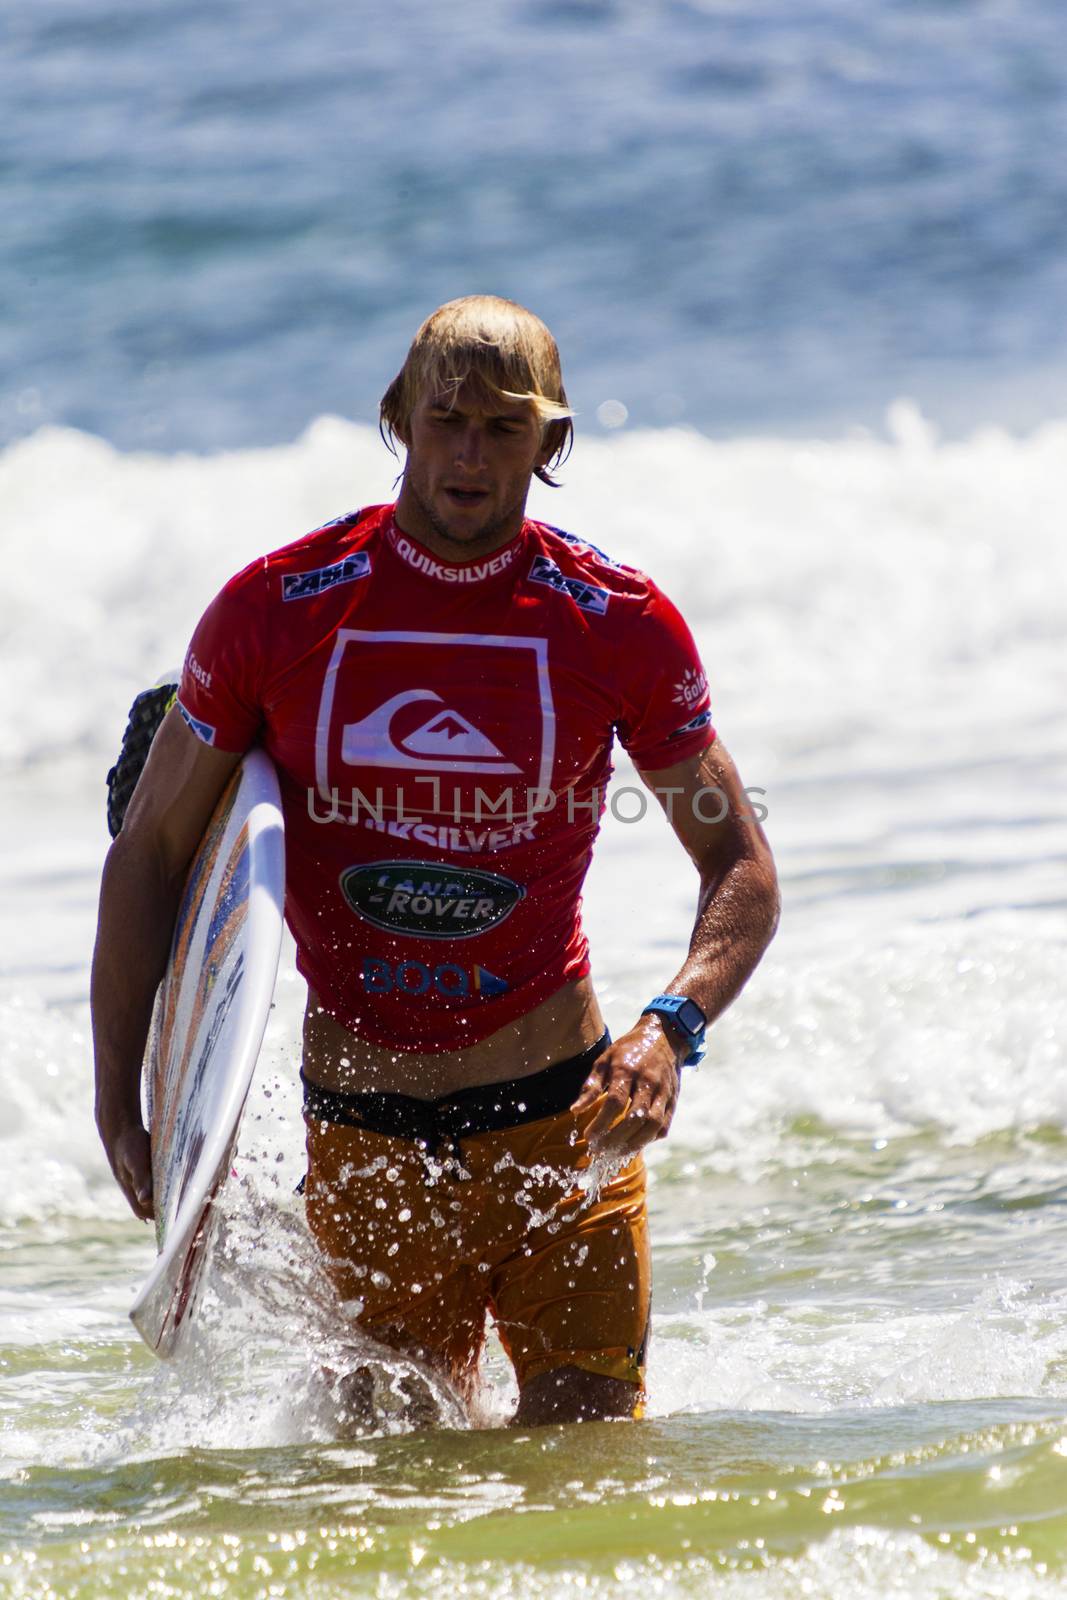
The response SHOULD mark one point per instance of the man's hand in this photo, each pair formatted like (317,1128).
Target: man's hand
(638,1077)
(129,1151)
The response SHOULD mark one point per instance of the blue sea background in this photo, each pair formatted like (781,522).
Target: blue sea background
(222,220)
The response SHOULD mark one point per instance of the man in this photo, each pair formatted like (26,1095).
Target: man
(439,683)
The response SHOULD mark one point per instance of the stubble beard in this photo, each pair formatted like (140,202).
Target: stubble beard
(475,544)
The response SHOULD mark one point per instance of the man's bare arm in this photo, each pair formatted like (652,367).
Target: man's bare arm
(736,919)
(139,893)
(738,908)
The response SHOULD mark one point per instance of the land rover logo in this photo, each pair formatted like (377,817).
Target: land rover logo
(431,902)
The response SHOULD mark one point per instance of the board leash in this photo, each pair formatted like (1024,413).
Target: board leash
(147,712)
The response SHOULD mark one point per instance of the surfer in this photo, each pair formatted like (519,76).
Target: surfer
(439,683)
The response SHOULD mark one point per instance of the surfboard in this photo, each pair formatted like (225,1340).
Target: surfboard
(210,1015)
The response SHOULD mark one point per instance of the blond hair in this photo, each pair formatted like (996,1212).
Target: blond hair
(504,349)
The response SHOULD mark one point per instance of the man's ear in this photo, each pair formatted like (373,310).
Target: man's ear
(552,441)
(549,445)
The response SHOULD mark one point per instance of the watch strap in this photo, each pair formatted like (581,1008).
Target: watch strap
(678,1010)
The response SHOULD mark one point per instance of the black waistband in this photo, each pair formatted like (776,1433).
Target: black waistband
(482,1109)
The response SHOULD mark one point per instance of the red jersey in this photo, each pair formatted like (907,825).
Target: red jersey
(443,737)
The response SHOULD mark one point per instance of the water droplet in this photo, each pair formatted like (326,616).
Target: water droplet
(612,414)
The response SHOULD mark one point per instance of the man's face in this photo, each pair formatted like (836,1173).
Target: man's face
(469,464)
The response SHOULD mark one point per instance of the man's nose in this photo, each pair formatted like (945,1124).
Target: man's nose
(470,448)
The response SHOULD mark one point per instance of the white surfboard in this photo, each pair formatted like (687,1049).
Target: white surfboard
(210,1015)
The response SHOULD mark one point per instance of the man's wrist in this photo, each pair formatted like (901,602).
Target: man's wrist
(657,1026)
(685,1020)
(117,1110)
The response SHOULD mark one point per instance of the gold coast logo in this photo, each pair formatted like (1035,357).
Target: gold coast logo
(691,688)
(405,897)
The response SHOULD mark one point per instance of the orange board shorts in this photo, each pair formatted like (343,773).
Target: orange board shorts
(428,1241)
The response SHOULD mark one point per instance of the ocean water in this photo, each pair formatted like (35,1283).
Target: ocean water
(757,230)
(222,220)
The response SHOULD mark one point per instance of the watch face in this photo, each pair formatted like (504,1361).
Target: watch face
(691,1017)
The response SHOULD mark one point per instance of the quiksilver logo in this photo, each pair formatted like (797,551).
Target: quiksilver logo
(471,572)
(446,740)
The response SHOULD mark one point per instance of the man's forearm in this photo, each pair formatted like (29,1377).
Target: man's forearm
(735,924)
(137,911)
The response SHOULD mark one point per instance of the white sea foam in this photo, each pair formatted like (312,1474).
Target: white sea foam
(880,597)
(882,624)
(51,1158)
(959,1032)
(1005,1339)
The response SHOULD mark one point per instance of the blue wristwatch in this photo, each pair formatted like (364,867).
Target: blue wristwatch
(687,1020)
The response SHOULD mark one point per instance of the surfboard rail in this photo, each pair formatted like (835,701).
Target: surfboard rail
(207,1030)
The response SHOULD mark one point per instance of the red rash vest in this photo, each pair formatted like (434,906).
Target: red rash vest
(443,737)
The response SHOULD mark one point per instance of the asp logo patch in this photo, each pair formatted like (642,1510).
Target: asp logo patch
(203,730)
(303,585)
(702,720)
(585,595)
(407,897)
